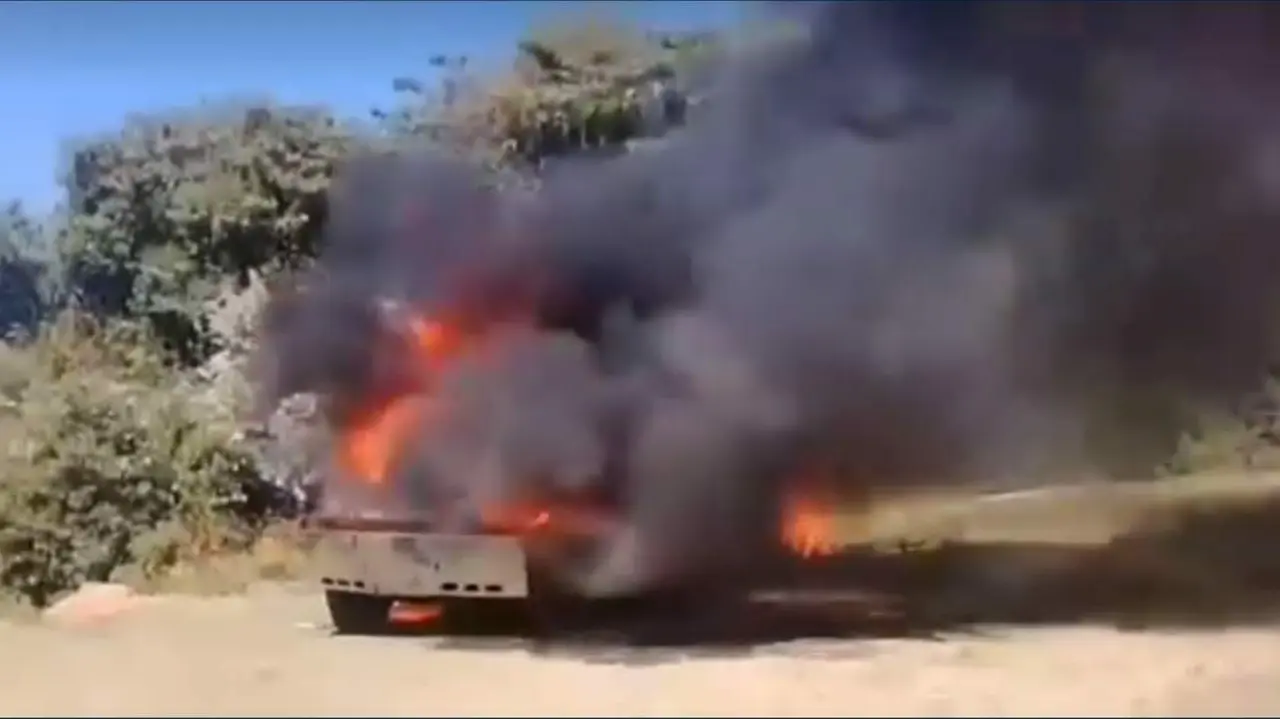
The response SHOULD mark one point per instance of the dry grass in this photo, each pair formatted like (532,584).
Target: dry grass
(1192,550)
(282,554)
(1139,530)
(1089,513)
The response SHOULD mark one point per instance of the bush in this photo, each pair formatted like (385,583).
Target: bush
(111,462)
(1245,440)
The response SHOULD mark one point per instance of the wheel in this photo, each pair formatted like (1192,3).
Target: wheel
(354,613)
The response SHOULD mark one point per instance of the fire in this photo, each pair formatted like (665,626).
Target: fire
(537,519)
(516,518)
(808,527)
(370,444)
(434,340)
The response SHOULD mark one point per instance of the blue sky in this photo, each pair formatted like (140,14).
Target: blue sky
(71,69)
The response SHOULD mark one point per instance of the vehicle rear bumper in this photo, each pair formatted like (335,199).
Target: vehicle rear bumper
(373,557)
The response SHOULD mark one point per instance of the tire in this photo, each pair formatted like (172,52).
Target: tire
(353,613)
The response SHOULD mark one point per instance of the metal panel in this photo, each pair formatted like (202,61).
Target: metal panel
(423,565)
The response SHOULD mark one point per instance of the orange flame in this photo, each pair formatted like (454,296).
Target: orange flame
(808,527)
(534,519)
(434,340)
(371,444)
(516,518)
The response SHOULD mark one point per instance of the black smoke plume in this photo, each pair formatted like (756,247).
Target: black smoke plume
(904,242)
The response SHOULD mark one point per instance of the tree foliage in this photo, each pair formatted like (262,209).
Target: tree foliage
(571,89)
(25,290)
(168,212)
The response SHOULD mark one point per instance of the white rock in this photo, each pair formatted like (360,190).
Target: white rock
(92,603)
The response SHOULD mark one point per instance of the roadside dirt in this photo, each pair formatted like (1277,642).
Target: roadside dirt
(1014,615)
(270,653)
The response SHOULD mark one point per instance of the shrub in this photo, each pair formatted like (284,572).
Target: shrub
(1245,440)
(111,462)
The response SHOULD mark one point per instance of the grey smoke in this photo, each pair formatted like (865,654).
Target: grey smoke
(915,242)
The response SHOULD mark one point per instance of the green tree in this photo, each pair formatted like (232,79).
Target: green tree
(168,212)
(572,88)
(25,292)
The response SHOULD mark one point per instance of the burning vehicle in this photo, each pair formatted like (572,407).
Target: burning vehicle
(908,243)
(483,405)
(536,547)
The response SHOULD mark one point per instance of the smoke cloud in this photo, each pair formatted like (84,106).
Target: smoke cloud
(909,242)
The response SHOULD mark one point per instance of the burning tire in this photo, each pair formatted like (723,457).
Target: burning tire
(355,613)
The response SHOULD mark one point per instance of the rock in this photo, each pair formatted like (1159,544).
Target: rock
(292,449)
(288,445)
(93,603)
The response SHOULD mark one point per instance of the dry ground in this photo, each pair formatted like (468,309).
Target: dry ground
(265,655)
(1143,609)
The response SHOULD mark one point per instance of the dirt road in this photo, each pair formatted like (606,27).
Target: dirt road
(270,653)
